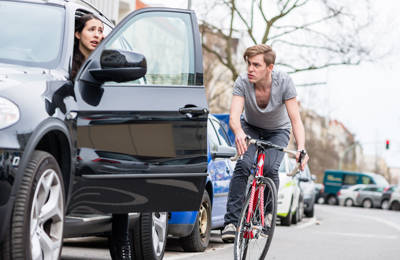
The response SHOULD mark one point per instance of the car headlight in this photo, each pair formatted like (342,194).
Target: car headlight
(9,113)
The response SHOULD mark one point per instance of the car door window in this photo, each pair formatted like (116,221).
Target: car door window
(212,137)
(166,40)
(366,180)
(350,179)
(222,136)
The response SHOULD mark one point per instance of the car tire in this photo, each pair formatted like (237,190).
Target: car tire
(199,239)
(310,213)
(36,230)
(349,203)
(150,236)
(287,221)
(395,206)
(332,200)
(385,204)
(367,203)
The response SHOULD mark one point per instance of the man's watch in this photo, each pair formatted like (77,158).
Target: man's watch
(304,152)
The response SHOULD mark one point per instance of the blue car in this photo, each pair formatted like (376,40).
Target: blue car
(193,227)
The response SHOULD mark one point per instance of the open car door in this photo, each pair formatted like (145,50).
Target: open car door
(142,117)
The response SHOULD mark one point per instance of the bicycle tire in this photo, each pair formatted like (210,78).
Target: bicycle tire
(242,244)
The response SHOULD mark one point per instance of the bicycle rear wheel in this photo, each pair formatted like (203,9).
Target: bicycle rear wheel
(252,241)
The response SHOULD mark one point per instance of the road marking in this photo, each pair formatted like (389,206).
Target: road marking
(377,219)
(358,235)
(208,251)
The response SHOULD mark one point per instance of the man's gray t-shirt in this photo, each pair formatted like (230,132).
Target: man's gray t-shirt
(275,115)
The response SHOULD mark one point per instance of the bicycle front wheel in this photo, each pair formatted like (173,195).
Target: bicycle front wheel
(252,241)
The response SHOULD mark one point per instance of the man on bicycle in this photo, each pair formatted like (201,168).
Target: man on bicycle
(268,98)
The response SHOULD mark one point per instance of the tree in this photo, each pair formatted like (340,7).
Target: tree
(307,35)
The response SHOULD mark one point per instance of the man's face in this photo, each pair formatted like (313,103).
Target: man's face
(257,70)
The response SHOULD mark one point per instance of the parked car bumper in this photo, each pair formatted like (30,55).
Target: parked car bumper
(181,223)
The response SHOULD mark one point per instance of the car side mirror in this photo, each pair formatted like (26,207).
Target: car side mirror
(224,152)
(120,66)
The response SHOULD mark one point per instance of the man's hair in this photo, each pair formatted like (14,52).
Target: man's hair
(269,54)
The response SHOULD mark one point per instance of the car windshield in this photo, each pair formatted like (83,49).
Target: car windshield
(31,34)
(381,181)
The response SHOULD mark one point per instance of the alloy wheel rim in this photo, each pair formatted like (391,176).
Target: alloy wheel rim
(159,231)
(203,220)
(47,217)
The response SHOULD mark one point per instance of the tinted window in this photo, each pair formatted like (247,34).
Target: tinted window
(350,179)
(31,34)
(366,180)
(166,40)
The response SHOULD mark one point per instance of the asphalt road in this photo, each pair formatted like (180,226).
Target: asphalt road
(335,233)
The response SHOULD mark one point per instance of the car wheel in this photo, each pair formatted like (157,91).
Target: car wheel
(37,223)
(332,200)
(321,200)
(367,204)
(385,204)
(349,203)
(150,236)
(395,205)
(199,239)
(310,213)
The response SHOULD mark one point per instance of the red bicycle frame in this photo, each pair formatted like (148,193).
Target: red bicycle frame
(255,193)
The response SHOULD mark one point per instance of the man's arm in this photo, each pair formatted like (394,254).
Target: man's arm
(298,128)
(237,106)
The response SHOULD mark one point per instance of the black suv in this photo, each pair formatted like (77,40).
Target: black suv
(129,135)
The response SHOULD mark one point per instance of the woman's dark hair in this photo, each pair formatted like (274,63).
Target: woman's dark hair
(78,58)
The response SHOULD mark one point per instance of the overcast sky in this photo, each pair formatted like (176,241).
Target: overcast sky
(366,98)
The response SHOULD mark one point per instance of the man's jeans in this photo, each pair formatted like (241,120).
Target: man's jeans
(273,159)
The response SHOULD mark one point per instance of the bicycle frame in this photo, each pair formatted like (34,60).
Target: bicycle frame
(255,193)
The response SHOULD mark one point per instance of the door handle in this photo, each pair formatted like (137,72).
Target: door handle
(189,112)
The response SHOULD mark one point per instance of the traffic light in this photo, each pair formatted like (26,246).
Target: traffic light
(387,144)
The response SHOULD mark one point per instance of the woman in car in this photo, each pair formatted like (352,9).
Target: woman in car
(88,35)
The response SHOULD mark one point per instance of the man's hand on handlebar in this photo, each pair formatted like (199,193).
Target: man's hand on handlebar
(302,158)
(241,143)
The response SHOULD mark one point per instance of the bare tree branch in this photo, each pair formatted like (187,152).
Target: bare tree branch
(249,28)
(304,26)
(317,67)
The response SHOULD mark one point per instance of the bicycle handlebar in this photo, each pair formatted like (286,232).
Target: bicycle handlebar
(269,145)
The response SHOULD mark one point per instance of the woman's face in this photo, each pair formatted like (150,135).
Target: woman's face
(91,36)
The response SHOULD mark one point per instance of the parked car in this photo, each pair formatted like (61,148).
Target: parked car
(347,195)
(334,180)
(129,135)
(307,185)
(369,196)
(194,227)
(394,203)
(319,193)
(290,196)
(386,195)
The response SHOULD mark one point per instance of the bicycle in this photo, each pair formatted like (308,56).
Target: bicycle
(258,217)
